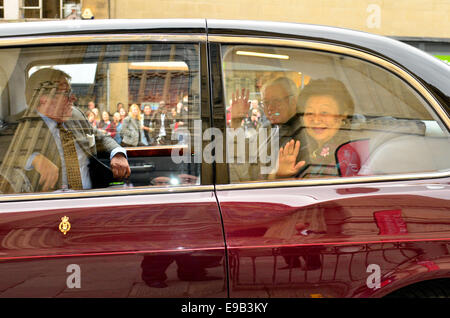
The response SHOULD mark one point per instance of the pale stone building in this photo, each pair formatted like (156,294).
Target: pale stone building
(422,23)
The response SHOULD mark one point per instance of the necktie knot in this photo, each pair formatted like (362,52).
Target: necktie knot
(63,129)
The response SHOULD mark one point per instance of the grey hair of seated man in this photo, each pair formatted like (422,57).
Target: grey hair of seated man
(284,82)
(38,79)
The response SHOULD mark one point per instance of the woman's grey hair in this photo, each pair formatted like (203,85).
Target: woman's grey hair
(331,87)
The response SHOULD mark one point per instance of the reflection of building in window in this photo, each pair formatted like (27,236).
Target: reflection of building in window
(30,132)
(148,86)
(138,73)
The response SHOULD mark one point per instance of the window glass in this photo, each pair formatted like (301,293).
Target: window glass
(294,113)
(70,115)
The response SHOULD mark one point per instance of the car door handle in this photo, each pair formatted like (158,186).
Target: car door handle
(143,168)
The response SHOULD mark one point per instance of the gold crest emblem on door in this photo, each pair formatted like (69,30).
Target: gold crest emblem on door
(64,226)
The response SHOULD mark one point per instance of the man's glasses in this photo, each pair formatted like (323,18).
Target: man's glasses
(49,87)
(56,94)
(65,93)
(276,102)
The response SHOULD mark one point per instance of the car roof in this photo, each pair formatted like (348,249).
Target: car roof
(65,27)
(433,73)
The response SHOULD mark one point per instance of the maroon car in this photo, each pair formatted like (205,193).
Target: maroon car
(266,159)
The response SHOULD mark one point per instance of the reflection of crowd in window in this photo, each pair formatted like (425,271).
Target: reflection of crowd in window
(150,124)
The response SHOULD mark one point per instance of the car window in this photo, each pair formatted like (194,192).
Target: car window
(84,106)
(297,113)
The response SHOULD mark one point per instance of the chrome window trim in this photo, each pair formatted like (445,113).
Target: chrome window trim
(99,38)
(337,49)
(110,38)
(160,147)
(105,192)
(333,181)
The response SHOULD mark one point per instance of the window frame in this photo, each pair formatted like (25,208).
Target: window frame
(23,8)
(207,182)
(390,66)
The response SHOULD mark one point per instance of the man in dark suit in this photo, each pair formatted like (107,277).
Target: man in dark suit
(163,122)
(54,146)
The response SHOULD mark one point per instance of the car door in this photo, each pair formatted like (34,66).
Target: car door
(156,234)
(367,213)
